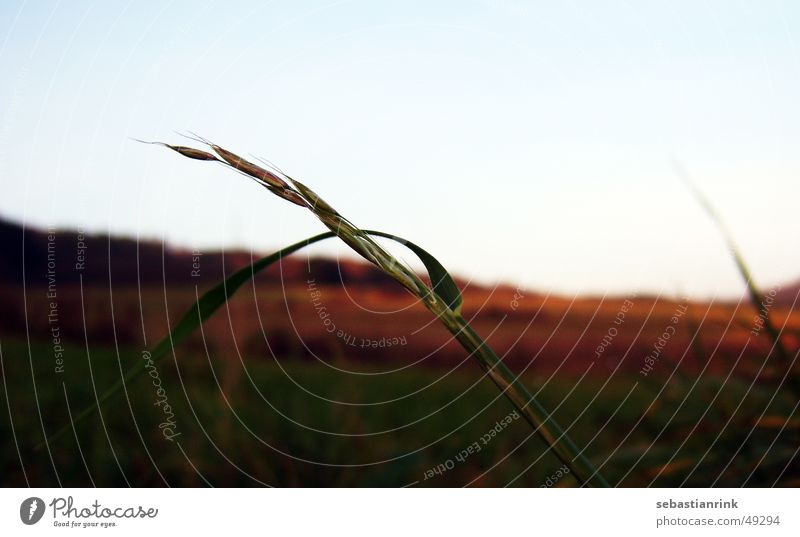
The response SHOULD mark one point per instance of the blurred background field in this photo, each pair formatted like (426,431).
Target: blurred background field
(265,395)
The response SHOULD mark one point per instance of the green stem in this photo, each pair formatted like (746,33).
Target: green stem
(534,413)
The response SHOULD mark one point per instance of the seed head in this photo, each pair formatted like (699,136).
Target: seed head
(192,152)
(189,152)
(289,195)
(316,203)
(250,169)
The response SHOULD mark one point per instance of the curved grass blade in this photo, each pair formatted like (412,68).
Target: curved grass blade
(444,286)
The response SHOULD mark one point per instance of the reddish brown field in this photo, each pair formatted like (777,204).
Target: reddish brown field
(382,328)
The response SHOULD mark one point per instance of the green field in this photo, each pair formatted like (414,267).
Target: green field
(300,423)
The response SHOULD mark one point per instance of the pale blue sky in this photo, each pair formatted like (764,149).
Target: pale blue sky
(521,141)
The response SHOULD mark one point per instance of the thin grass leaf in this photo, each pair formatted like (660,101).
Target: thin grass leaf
(443,284)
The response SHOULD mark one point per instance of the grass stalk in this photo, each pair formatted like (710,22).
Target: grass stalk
(442,298)
(534,413)
(754,293)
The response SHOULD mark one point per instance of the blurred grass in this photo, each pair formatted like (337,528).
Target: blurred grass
(651,435)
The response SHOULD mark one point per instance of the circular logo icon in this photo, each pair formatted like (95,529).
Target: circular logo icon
(31,510)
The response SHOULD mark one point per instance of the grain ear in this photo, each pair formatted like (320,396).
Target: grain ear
(253,170)
(188,152)
(191,152)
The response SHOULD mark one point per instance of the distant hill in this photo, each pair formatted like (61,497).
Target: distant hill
(102,259)
(134,291)
(789,295)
